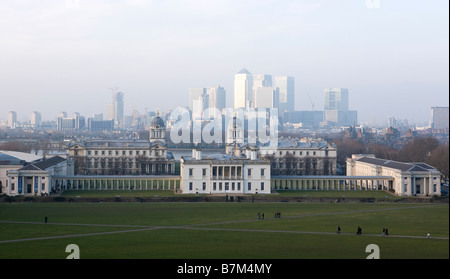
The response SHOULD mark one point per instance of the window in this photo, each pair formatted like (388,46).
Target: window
(249,186)
(220,186)
(262,172)
(214,186)
(117,153)
(293,153)
(249,172)
(96,152)
(144,152)
(262,186)
(301,153)
(137,152)
(227,186)
(232,186)
(124,153)
(103,152)
(130,152)
(89,152)
(239,186)
(109,153)
(307,153)
(204,186)
(190,186)
(204,172)
(12,187)
(191,172)
(43,187)
(314,153)
(405,188)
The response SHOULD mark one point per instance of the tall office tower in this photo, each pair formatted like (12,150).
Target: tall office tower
(286,95)
(261,80)
(12,119)
(336,110)
(35,119)
(217,97)
(118,109)
(336,99)
(63,114)
(196,94)
(439,118)
(267,97)
(243,89)
(109,112)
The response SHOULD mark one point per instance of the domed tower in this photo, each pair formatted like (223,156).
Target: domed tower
(157,129)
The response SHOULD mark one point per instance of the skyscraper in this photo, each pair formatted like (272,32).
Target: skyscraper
(209,97)
(336,99)
(118,109)
(35,119)
(336,110)
(217,97)
(286,87)
(243,89)
(12,119)
(266,97)
(439,118)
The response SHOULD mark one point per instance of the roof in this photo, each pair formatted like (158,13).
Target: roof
(244,71)
(6,159)
(415,167)
(22,156)
(157,121)
(45,164)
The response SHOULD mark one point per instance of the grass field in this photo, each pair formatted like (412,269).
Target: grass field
(222,230)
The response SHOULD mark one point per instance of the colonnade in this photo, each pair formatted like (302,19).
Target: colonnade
(331,182)
(116,183)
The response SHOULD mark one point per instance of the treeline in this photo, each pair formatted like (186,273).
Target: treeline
(420,149)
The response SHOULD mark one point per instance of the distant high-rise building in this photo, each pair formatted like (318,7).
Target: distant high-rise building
(35,119)
(336,99)
(63,114)
(217,97)
(197,94)
(261,80)
(266,97)
(286,87)
(209,97)
(336,108)
(118,108)
(439,118)
(12,119)
(243,89)
(68,124)
(109,112)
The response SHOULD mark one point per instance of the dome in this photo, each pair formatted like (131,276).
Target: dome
(157,121)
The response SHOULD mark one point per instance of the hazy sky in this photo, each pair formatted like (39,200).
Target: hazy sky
(66,55)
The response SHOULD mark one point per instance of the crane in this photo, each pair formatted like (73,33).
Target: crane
(312,104)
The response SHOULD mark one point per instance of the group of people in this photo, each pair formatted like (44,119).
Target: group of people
(359,231)
(260,216)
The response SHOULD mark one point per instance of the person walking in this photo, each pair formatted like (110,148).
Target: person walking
(339,230)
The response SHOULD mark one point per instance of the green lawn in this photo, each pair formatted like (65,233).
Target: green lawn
(224,230)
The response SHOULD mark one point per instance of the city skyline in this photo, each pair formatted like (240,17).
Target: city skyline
(60,57)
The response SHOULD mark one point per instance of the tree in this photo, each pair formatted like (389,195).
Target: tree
(439,158)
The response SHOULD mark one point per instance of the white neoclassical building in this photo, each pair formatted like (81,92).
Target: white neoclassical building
(409,179)
(224,174)
(36,179)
